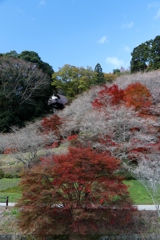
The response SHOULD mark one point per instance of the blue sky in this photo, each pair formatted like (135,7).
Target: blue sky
(79,32)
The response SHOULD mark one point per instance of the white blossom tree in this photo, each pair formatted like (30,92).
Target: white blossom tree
(26,142)
(74,113)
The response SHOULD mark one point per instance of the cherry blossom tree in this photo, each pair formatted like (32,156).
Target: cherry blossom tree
(73,114)
(26,142)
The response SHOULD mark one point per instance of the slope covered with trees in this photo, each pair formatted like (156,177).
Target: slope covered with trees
(122,118)
(111,129)
(106,126)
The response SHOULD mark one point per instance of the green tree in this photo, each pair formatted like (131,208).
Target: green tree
(33,57)
(109,77)
(98,75)
(12,53)
(140,57)
(146,56)
(116,71)
(71,80)
(155,54)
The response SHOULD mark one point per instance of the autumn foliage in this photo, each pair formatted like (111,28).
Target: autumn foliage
(135,95)
(81,192)
(51,124)
(138,96)
(109,95)
(73,193)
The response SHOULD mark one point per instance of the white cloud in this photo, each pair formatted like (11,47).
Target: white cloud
(127,25)
(42,2)
(157,14)
(103,40)
(117,63)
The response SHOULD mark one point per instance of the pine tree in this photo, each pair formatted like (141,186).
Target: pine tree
(99,76)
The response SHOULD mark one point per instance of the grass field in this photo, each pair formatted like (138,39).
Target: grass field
(138,193)
(9,187)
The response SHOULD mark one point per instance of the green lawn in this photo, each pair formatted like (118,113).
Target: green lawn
(9,187)
(6,183)
(138,193)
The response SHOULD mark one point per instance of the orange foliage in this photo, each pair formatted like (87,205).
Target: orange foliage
(138,96)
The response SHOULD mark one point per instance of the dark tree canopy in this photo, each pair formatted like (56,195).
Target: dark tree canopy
(24,92)
(31,56)
(146,56)
(140,57)
(155,54)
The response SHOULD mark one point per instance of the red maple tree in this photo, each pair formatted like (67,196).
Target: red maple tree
(73,193)
(113,95)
